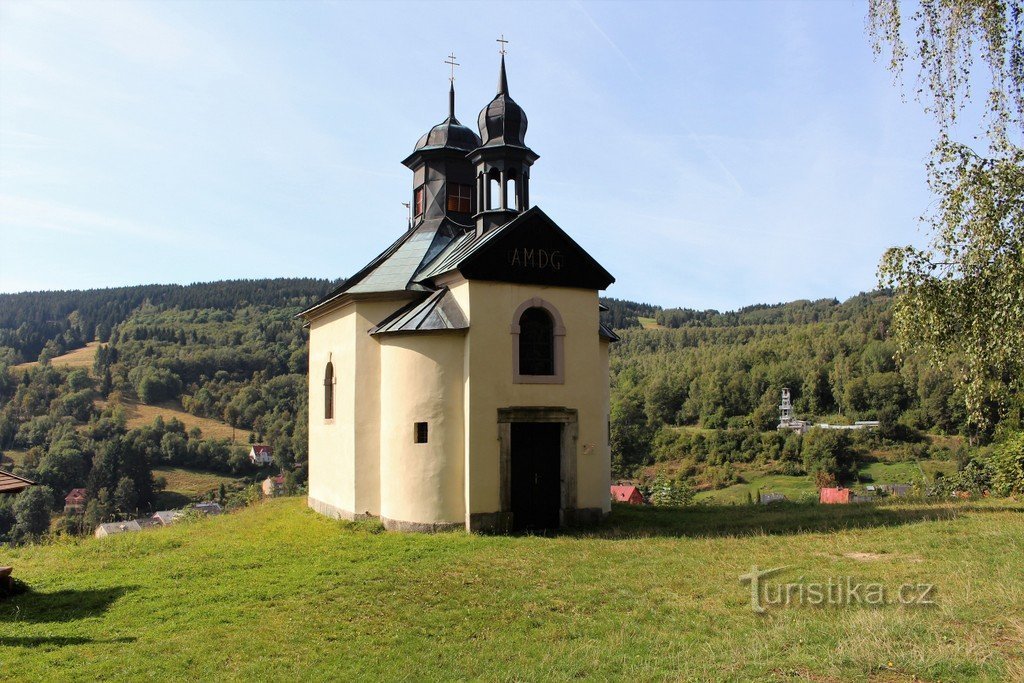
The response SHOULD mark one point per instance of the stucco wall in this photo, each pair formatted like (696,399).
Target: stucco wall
(331,446)
(489,373)
(421,381)
(344,463)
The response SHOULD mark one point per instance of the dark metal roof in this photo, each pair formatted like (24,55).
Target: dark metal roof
(439,311)
(449,134)
(12,483)
(462,252)
(393,269)
(502,121)
(605,332)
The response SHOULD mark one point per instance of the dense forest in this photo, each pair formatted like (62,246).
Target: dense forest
(698,390)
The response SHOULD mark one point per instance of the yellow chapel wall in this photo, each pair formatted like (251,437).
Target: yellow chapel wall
(344,453)
(422,381)
(489,385)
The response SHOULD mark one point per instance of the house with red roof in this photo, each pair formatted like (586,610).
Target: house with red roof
(260,454)
(74,502)
(273,486)
(622,493)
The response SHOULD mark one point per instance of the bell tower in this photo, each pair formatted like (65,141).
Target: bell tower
(442,175)
(502,160)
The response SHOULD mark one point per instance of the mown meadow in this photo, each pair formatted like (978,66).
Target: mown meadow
(276,591)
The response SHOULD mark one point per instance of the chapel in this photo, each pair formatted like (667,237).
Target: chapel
(460,379)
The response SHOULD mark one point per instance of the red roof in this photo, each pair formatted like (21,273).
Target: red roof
(279,479)
(261,449)
(75,496)
(623,493)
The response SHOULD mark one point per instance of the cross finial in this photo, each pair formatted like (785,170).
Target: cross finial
(503,43)
(452,63)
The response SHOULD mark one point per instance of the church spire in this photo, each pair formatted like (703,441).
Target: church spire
(451,89)
(503,79)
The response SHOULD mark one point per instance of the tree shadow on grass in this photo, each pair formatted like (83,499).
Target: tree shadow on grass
(59,606)
(59,641)
(628,521)
(171,500)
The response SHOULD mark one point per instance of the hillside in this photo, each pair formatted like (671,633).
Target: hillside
(279,591)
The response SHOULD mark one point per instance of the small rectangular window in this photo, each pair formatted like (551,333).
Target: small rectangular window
(418,196)
(460,198)
(421,432)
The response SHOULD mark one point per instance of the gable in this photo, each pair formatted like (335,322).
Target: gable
(532,249)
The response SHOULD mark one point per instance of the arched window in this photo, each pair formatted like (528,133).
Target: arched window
(538,344)
(329,392)
(512,191)
(493,189)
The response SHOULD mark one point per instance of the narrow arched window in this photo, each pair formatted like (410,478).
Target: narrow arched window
(494,189)
(329,392)
(536,342)
(512,190)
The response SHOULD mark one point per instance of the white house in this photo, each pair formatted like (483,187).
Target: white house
(260,455)
(111,528)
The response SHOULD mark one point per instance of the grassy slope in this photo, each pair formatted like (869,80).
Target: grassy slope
(795,488)
(650,324)
(185,486)
(79,358)
(12,457)
(140,414)
(792,487)
(277,591)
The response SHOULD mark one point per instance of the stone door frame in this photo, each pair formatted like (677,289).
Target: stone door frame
(569,419)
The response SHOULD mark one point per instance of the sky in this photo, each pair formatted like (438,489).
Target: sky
(709,155)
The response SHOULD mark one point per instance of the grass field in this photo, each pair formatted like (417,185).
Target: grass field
(795,488)
(792,487)
(278,592)
(12,457)
(649,324)
(140,414)
(79,358)
(185,486)
(905,472)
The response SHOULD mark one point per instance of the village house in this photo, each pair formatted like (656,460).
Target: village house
(208,508)
(622,493)
(111,528)
(166,517)
(261,455)
(74,502)
(768,498)
(460,379)
(273,486)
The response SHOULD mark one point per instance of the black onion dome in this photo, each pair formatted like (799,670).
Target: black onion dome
(502,122)
(449,133)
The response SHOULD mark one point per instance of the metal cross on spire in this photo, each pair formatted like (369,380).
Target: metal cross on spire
(452,63)
(503,42)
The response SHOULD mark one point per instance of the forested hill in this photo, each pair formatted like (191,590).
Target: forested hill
(69,319)
(799,312)
(707,391)
(232,351)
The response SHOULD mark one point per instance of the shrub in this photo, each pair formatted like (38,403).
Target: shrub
(1006,465)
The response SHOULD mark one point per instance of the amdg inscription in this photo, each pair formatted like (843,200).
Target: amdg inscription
(537,258)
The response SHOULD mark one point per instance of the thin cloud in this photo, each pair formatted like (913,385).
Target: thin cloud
(607,38)
(23,213)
